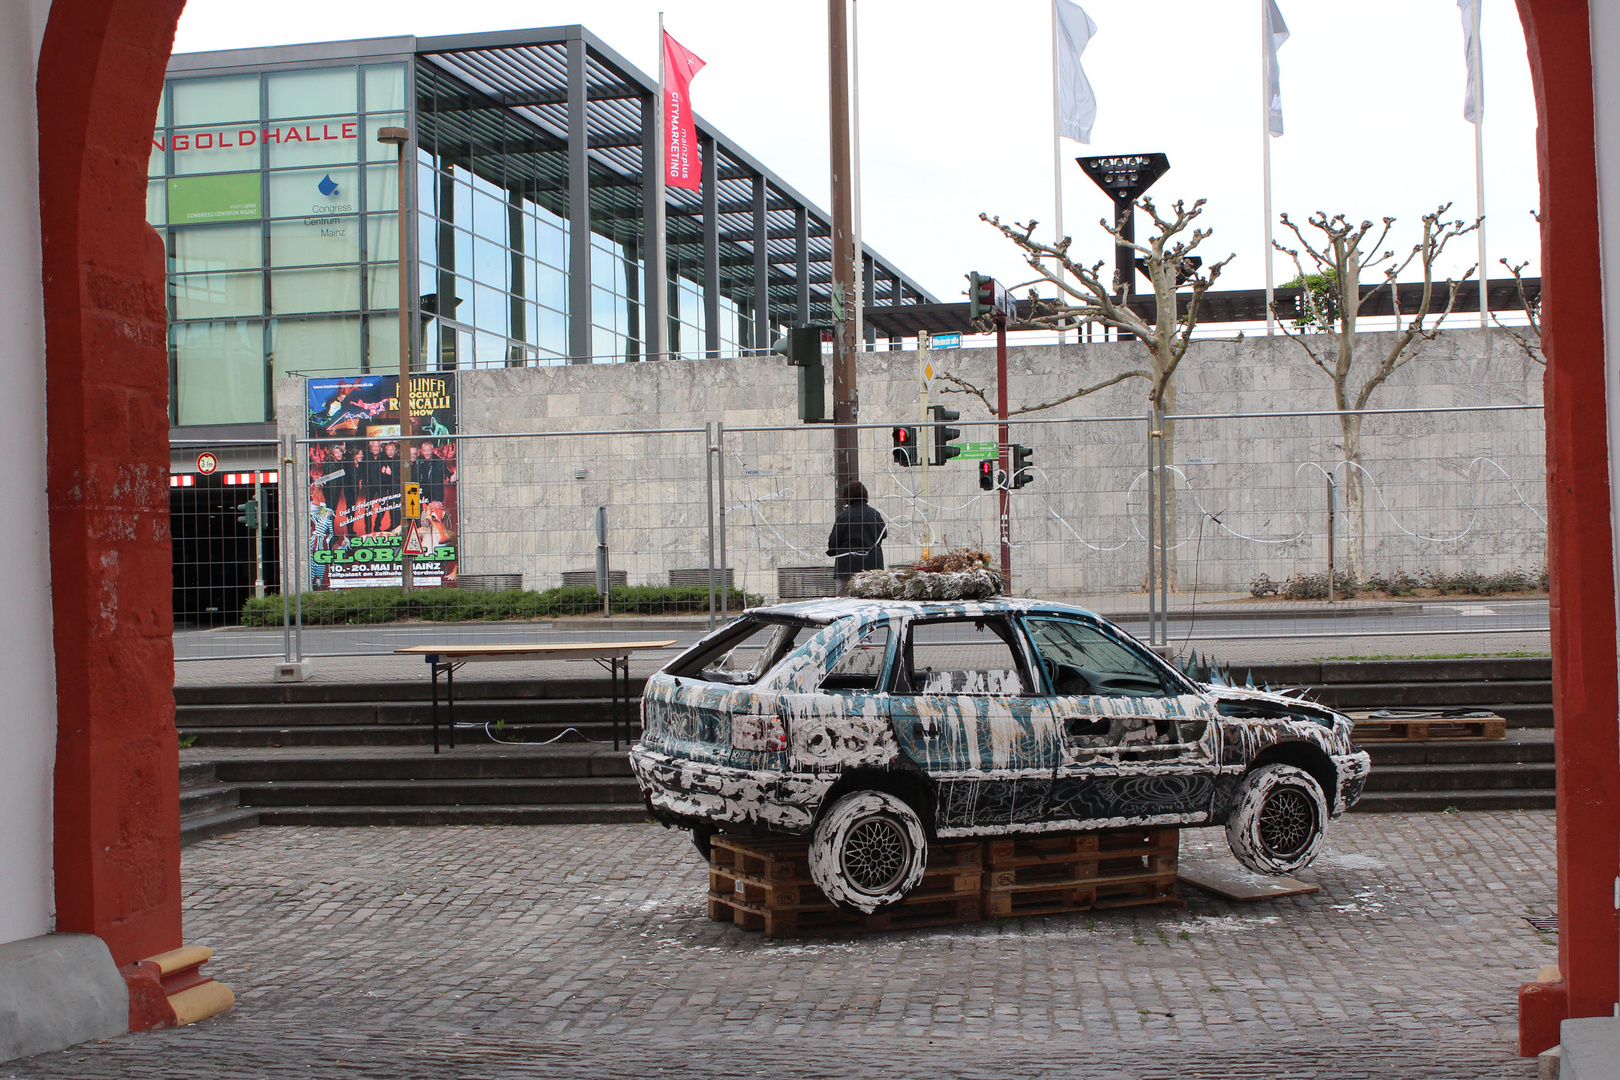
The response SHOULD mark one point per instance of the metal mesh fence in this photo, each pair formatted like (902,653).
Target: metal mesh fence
(1431,509)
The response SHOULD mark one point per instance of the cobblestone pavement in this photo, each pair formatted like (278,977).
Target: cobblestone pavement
(584,952)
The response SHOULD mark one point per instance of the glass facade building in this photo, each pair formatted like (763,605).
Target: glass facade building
(533,221)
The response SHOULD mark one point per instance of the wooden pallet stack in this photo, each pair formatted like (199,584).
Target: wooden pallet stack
(1037,875)
(764,884)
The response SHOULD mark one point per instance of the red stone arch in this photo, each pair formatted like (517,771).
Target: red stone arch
(117,829)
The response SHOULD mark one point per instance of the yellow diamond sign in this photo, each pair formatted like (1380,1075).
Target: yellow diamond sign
(928,371)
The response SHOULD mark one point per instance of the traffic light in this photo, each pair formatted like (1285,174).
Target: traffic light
(987,475)
(905,447)
(247,514)
(981,296)
(802,347)
(943,450)
(1021,465)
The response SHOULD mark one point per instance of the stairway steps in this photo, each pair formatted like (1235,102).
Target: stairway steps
(1520,747)
(420,689)
(1431,694)
(560,814)
(202,801)
(571,791)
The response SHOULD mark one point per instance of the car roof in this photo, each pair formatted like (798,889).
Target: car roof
(828,611)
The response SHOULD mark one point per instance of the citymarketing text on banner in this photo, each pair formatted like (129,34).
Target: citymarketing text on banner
(682,165)
(355,526)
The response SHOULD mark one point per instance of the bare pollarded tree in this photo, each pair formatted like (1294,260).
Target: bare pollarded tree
(1326,325)
(1083,297)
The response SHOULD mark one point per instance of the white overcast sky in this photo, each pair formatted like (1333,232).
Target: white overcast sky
(955,102)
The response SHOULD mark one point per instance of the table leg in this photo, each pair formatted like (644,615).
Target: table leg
(450,695)
(435,708)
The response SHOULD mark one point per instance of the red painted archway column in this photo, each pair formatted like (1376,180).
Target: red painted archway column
(117,836)
(1586,706)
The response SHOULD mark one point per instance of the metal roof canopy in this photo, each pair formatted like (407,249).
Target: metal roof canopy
(526,71)
(1223,306)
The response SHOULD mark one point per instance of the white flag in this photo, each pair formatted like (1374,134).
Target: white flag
(1277,33)
(1470,21)
(1077,105)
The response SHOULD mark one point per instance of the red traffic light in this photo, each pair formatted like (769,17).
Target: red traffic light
(905,446)
(987,475)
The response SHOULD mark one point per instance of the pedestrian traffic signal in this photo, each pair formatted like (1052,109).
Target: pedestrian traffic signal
(1021,474)
(943,448)
(905,447)
(987,475)
(247,514)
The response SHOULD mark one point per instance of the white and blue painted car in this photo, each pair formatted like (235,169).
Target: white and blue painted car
(872,726)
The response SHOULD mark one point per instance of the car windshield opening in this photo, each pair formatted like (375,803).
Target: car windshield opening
(743,653)
(1082,659)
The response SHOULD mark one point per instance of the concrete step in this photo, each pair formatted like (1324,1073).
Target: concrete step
(196,774)
(400,735)
(1414,778)
(1379,802)
(1521,746)
(1386,695)
(200,802)
(201,828)
(467,689)
(587,813)
(1473,669)
(1538,715)
(442,793)
(289,765)
(190,718)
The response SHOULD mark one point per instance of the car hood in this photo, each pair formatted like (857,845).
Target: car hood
(1242,701)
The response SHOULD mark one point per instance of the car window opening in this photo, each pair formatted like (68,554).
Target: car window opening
(744,654)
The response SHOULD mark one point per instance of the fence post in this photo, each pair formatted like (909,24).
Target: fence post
(1331,507)
(1152,588)
(1164,532)
(300,544)
(720,479)
(708,477)
(285,482)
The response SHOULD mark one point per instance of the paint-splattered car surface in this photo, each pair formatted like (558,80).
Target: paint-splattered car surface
(979,718)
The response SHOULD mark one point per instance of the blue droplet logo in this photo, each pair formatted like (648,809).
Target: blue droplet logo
(328,186)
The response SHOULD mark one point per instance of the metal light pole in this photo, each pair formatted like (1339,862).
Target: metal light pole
(399,138)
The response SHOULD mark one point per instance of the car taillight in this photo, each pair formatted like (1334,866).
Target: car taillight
(760,734)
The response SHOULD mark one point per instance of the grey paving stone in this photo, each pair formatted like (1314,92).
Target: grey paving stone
(584,951)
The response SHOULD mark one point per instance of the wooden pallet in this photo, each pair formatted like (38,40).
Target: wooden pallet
(764,884)
(1032,875)
(1393,726)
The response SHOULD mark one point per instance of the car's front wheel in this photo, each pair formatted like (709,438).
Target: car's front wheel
(1277,820)
(868,851)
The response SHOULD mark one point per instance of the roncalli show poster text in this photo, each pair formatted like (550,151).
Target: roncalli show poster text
(355,471)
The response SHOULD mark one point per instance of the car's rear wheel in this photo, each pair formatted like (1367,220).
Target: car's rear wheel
(868,851)
(1277,820)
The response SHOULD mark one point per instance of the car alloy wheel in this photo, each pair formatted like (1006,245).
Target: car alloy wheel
(868,851)
(1277,819)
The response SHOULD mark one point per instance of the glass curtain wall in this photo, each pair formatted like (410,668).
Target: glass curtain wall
(277,205)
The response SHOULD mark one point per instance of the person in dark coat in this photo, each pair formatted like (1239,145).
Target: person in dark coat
(856,541)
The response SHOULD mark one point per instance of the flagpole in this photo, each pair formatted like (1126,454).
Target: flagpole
(1057,164)
(1265,152)
(1479,167)
(658,335)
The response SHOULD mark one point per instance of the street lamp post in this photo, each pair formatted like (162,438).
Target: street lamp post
(399,138)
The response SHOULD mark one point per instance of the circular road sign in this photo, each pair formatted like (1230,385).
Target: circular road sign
(207,463)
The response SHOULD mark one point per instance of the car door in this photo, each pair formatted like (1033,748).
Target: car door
(966,708)
(1138,744)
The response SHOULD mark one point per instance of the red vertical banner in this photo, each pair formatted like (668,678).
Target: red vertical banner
(682,165)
